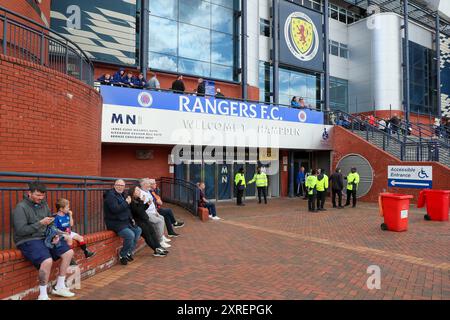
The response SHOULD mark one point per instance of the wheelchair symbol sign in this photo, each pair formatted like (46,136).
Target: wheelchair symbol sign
(422,174)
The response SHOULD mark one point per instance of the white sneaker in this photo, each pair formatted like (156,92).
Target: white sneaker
(210,216)
(63,292)
(166,239)
(165,245)
(216,218)
(44,298)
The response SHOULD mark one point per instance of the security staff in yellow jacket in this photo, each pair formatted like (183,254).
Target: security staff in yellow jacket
(261,184)
(311,183)
(322,188)
(352,186)
(239,181)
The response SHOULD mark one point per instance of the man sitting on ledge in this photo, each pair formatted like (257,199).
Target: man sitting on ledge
(118,218)
(31,217)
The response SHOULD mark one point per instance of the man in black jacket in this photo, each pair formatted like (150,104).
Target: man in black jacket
(201,88)
(178,85)
(337,184)
(118,218)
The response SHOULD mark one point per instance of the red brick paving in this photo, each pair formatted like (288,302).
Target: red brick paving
(280,251)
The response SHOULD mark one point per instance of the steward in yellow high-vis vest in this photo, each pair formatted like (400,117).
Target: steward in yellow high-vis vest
(239,181)
(322,187)
(261,184)
(311,183)
(352,186)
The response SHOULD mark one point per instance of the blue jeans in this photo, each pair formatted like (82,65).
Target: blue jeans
(211,208)
(130,237)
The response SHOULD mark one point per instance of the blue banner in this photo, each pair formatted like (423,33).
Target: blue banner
(410,184)
(210,88)
(193,104)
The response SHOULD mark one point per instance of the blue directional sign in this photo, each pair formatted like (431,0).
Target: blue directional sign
(412,177)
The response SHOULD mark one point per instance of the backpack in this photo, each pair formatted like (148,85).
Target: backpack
(50,233)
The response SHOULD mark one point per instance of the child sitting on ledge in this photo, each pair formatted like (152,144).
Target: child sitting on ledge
(64,222)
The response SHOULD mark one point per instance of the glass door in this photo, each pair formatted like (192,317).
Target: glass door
(195,172)
(209,173)
(250,170)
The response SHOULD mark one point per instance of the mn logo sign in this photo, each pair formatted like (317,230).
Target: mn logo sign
(301,36)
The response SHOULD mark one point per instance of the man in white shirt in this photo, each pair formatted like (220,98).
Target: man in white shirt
(153,214)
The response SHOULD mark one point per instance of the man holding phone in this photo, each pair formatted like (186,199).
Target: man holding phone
(31,217)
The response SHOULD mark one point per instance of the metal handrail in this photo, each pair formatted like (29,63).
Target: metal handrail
(26,39)
(85,194)
(424,132)
(180,192)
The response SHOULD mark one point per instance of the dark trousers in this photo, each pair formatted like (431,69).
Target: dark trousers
(301,189)
(240,194)
(333,197)
(169,219)
(149,234)
(211,208)
(311,202)
(349,194)
(130,236)
(321,199)
(263,191)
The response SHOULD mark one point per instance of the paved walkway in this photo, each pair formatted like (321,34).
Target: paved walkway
(280,251)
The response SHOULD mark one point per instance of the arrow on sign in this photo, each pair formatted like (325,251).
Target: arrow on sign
(409,183)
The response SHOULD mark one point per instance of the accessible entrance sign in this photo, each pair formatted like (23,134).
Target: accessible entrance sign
(417,177)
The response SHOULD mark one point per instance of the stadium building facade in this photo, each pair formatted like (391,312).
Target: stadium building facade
(358,53)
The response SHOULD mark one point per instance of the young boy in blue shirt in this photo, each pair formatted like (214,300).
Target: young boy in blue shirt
(64,222)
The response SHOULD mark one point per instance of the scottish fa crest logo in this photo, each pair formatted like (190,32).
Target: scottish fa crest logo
(325,135)
(145,99)
(301,36)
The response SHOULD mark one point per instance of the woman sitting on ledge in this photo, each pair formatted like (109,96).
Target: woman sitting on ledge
(138,210)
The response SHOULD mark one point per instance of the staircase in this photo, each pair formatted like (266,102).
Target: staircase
(405,148)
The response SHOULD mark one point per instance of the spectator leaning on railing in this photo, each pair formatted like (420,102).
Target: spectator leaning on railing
(294,102)
(129,80)
(178,85)
(153,83)
(105,79)
(201,88)
(119,77)
(219,94)
(140,82)
(31,218)
(118,218)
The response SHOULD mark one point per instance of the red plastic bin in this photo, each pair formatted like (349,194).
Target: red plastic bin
(437,202)
(394,208)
